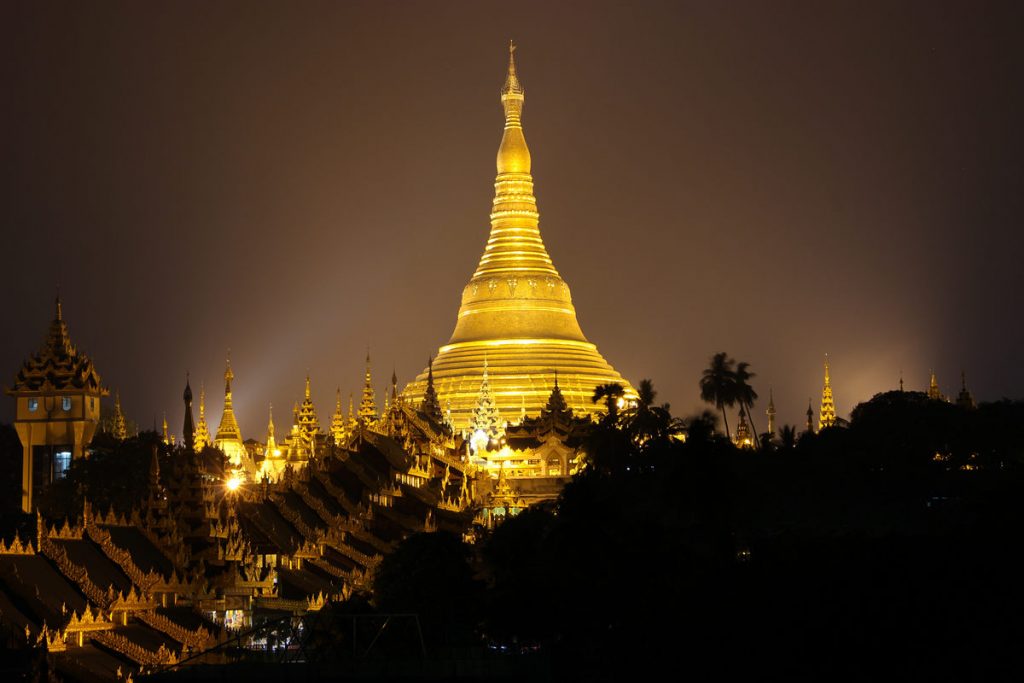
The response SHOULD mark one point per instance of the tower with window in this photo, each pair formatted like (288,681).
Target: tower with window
(58,393)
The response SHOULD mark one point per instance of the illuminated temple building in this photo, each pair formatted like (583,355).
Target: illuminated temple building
(57,392)
(516,313)
(234,532)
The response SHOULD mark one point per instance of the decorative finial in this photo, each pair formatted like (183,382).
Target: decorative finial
(307,385)
(512,86)
(60,312)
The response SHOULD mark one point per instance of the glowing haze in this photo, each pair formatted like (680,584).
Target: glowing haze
(300,181)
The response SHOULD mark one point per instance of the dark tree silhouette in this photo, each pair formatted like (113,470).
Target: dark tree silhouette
(745,394)
(610,394)
(718,385)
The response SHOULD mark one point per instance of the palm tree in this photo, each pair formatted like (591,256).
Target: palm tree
(745,394)
(787,436)
(646,422)
(718,385)
(611,393)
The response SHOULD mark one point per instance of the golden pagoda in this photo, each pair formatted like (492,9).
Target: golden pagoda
(306,418)
(229,436)
(827,418)
(120,426)
(516,310)
(202,435)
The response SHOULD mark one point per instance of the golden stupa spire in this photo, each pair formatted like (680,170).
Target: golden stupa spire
(229,436)
(338,420)
(516,306)
(934,392)
(120,425)
(827,418)
(272,451)
(306,417)
(367,406)
(202,437)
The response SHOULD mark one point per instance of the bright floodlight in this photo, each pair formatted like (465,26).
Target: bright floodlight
(233,483)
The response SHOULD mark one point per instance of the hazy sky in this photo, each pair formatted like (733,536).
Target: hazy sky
(298,181)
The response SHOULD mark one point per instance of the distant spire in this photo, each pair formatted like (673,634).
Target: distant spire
(188,429)
(771,412)
(120,425)
(338,420)
(901,380)
(202,433)
(810,417)
(367,406)
(827,418)
(228,376)
(166,435)
(965,399)
(934,392)
(271,450)
(306,418)
(60,311)
(229,436)
(431,406)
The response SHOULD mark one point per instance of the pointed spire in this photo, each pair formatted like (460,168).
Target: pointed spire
(120,430)
(59,311)
(901,380)
(188,429)
(229,435)
(431,406)
(513,154)
(934,392)
(965,399)
(827,417)
(367,406)
(512,85)
(306,418)
(166,435)
(771,412)
(486,422)
(202,433)
(228,376)
(338,420)
(810,418)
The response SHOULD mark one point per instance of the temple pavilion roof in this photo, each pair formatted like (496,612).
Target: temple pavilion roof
(58,365)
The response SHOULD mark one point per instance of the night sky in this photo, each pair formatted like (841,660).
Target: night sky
(298,181)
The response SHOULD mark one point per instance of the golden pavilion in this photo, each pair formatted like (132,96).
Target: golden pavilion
(517,314)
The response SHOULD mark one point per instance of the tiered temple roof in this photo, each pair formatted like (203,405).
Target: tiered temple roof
(58,365)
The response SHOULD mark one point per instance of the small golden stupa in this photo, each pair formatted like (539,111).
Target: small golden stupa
(516,314)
